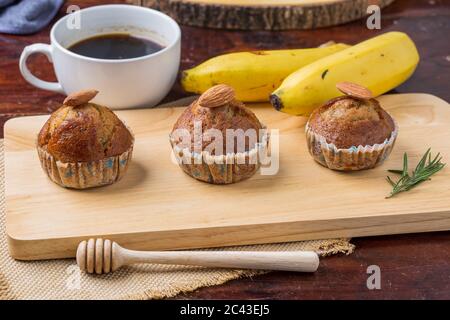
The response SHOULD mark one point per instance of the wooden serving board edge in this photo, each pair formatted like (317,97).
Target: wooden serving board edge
(25,249)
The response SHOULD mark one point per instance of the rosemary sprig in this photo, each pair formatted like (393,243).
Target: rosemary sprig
(423,171)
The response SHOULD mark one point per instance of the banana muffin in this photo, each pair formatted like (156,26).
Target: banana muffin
(352,132)
(83,144)
(218,116)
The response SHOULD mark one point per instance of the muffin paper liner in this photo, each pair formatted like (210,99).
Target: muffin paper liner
(221,169)
(89,174)
(351,159)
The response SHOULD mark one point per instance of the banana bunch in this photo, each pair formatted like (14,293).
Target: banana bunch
(300,80)
(253,75)
(379,64)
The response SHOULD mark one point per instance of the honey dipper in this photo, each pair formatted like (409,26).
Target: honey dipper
(104,256)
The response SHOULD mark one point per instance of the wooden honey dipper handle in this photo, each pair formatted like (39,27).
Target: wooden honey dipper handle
(103,256)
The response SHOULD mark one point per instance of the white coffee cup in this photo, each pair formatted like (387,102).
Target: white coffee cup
(127,83)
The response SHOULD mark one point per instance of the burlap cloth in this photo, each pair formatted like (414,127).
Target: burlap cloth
(60,279)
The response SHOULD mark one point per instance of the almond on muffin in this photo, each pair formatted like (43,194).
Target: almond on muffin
(83,144)
(352,132)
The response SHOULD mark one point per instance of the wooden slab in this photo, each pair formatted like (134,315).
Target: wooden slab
(157,206)
(264,14)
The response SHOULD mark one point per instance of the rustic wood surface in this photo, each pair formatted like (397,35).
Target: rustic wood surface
(413,266)
(264,14)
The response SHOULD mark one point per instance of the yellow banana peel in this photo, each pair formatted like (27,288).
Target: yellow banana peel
(380,64)
(253,75)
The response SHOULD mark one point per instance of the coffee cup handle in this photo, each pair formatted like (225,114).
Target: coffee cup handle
(26,73)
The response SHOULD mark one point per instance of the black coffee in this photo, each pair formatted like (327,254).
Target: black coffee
(115,46)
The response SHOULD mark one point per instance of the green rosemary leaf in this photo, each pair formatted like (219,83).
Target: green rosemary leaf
(396,171)
(422,162)
(405,164)
(426,167)
(390,181)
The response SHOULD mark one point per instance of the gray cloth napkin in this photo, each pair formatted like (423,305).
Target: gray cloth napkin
(27,16)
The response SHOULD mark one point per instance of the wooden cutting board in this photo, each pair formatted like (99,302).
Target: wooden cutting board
(263,14)
(157,206)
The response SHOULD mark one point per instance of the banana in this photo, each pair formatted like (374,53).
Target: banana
(380,64)
(253,75)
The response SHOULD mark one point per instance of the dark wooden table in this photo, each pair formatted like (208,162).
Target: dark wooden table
(415,266)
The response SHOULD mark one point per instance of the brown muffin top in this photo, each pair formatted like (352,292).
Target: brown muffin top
(80,131)
(349,121)
(218,109)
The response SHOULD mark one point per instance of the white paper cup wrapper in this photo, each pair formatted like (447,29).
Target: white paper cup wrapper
(83,175)
(351,159)
(221,169)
